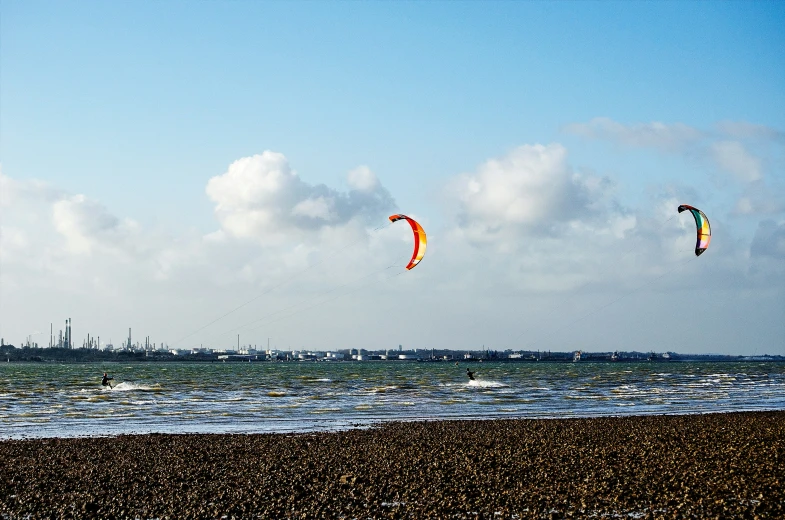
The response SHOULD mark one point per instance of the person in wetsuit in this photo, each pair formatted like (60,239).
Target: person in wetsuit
(105,380)
(470,374)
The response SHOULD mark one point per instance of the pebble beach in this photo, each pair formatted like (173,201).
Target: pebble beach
(727,465)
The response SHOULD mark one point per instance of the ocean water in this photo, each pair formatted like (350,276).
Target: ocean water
(67,400)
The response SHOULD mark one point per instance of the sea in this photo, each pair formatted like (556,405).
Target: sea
(67,400)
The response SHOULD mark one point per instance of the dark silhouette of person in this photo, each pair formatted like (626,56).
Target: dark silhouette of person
(105,380)
(470,374)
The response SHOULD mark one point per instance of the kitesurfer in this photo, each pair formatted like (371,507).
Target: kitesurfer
(106,379)
(470,374)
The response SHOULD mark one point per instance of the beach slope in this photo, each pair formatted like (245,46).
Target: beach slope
(729,465)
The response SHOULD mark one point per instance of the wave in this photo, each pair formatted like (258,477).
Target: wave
(480,383)
(131,387)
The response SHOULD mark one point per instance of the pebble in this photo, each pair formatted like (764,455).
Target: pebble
(729,465)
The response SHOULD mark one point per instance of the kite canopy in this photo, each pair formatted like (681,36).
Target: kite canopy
(419,239)
(703,228)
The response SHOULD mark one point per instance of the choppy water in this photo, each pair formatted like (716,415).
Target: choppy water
(50,400)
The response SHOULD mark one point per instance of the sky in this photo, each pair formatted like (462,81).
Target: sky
(213,172)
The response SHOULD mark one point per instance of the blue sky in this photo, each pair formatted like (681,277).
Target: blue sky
(137,106)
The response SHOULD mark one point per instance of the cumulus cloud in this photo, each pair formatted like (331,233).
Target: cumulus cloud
(13,240)
(43,222)
(733,157)
(50,236)
(530,189)
(363,179)
(14,191)
(85,223)
(317,208)
(262,197)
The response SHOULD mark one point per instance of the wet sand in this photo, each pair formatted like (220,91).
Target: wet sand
(728,465)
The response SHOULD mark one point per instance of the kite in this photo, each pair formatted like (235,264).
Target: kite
(703,228)
(419,239)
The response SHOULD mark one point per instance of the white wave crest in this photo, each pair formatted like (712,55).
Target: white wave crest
(480,383)
(131,387)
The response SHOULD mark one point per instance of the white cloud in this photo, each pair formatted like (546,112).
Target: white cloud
(319,208)
(759,199)
(549,229)
(732,157)
(261,197)
(85,223)
(13,240)
(530,190)
(363,179)
(14,191)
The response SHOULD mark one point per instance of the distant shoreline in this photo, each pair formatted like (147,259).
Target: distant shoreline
(725,465)
(10,354)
